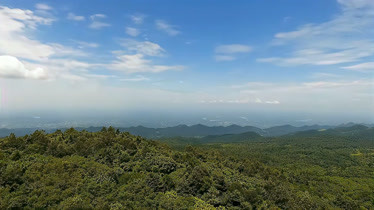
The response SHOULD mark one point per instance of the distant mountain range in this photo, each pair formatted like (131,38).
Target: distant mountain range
(353,133)
(198,130)
(356,131)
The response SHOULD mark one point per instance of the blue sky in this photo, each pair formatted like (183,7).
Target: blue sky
(268,56)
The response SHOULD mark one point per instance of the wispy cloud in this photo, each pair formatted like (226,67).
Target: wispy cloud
(146,47)
(43,7)
(272,102)
(232,49)
(322,75)
(132,31)
(13,38)
(137,57)
(230,52)
(318,95)
(138,18)
(259,86)
(167,28)
(82,44)
(72,16)
(97,22)
(247,100)
(29,58)
(98,25)
(138,78)
(138,63)
(336,84)
(362,67)
(224,57)
(321,43)
(97,16)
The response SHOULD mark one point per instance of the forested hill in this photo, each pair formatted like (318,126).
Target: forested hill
(110,169)
(198,130)
(179,130)
(353,133)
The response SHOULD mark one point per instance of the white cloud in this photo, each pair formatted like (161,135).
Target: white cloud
(63,51)
(321,75)
(326,96)
(137,57)
(363,67)
(132,31)
(321,43)
(98,76)
(224,57)
(11,67)
(329,84)
(314,96)
(97,23)
(65,68)
(145,48)
(169,29)
(239,101)
(43,7)
(97,16)
(272,102)
(37,58)
(232,49)
(13,39)
(137,63)
(252,85)
(138,78)
(230,52)
(137,19)
(72,16)
(258,86)
(82,44)
(25,19)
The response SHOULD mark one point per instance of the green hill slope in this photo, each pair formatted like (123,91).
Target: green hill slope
(355,132)
(115,170)
(248,136)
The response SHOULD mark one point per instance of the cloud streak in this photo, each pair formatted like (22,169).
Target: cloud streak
(142,47)
(321,43)
(167,28)
(43,7)
(97,22)
(138,63)
(137,19)
(132,31)
(72,16)
(232,49)
(230,52)
(362,67)
(138,78)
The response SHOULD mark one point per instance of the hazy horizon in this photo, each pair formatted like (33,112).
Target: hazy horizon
(170,118)
(164,63)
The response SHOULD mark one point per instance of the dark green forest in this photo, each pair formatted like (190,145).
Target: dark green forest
(110,169)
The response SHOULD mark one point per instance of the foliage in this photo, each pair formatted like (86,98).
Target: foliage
(110,169)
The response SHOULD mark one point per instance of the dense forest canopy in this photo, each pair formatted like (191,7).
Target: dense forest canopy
(110,169)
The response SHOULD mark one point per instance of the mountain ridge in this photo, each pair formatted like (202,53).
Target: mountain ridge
(197,130)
